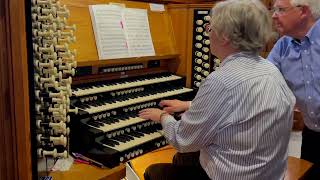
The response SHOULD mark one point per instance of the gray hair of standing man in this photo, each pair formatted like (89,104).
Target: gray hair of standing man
(246,23)
(314,6)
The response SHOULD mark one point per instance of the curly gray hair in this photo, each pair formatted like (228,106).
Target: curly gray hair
(247,23)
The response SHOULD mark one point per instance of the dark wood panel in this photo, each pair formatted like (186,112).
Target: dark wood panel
(18,68)
(15,162)
(6,142)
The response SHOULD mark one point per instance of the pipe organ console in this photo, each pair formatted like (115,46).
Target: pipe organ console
(107,128)
(54,66)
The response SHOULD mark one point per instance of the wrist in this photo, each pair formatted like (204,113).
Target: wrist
(162,115)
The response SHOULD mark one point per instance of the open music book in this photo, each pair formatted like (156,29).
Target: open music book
(121,32)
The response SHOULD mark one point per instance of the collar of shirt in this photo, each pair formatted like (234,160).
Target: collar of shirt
(234,56)
(311,34)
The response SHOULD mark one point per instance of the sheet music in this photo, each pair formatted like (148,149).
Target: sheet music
(121,32)
(137,31)
(108,30)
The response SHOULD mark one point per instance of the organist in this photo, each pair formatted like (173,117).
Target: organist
(241,117)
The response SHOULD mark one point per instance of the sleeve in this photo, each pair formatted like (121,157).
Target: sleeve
(274,55)
(199,125)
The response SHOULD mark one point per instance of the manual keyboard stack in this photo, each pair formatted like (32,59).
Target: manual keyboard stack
(107,128)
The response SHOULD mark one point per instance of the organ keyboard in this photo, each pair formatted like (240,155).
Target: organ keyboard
(107,128)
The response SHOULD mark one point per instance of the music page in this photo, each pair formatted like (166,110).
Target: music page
(109,31)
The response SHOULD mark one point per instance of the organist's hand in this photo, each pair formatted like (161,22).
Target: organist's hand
(152,114)
(171,106)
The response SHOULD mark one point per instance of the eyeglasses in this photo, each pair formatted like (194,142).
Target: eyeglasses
(282,10)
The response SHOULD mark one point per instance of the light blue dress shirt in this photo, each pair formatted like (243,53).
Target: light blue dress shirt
(299,63)
(240,121)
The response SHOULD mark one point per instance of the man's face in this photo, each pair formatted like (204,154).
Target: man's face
(286,17)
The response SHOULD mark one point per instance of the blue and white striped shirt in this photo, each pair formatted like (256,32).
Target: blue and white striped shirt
(240,121)
(299,62)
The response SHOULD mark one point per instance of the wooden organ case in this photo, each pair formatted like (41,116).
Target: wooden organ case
(107,94)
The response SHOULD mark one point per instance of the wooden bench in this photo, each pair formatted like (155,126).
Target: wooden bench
(296,167)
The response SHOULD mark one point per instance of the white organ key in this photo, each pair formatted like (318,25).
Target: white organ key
(106,107)
(120,124)
(125,85)
(135,142)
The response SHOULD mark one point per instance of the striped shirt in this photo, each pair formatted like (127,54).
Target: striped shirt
(240,121)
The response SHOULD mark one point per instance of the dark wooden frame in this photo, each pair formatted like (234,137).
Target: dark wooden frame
(15,156)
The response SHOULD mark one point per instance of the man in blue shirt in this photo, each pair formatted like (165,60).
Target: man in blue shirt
(297,56)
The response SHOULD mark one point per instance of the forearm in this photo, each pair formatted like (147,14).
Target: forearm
(176,136)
